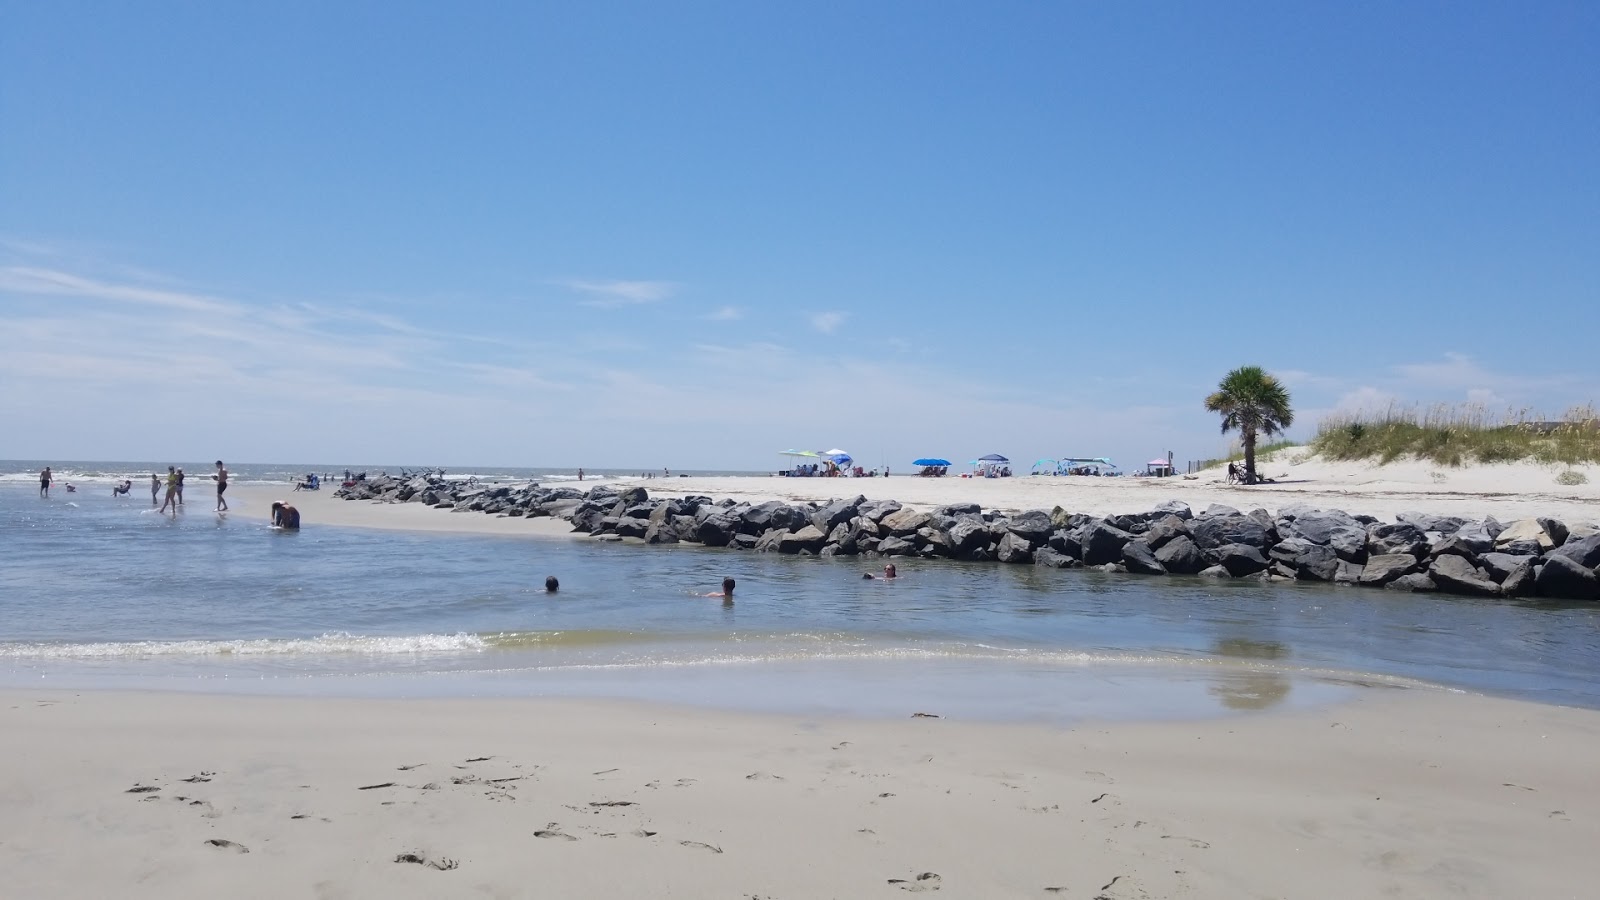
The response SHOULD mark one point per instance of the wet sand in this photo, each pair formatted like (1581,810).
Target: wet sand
(1413,793)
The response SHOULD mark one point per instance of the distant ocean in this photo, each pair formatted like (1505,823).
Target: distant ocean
(97,591)
(102,472)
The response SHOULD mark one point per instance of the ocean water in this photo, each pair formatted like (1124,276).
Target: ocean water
(97,591)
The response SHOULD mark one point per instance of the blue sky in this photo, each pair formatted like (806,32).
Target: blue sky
(693,234)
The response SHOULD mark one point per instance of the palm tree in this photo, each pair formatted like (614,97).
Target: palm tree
(1255,403)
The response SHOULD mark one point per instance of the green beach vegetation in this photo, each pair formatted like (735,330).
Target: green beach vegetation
(1461,435)
(1264,453)
(1255,403)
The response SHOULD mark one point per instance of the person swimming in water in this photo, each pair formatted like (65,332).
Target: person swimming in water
(888,572)
(727,591)
(551,585)
(284,515)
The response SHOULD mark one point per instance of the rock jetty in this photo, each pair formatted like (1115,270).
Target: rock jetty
(1418,552)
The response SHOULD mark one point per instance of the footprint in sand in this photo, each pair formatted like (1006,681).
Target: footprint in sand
(551,833)
(927,881)
(202,778)
(763,776)
(142,789)
(701,845)
(228,845)
(612,803)
(443,863)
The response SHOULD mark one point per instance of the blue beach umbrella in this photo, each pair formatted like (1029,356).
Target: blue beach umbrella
(930,461)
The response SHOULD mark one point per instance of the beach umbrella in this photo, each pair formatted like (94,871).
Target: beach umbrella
(1158,462)
(809,454)
(931,461)
(837,452)
(993,458)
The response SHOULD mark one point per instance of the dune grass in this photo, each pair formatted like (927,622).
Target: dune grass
(1461,435)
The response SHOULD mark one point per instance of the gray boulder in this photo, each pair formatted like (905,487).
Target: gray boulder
(1562,578)
(1583,551)
(966,536)
(1519,582)
(1180,556)
(1347,573)
(836,513)
(1103,544)
(633,496)
(1033,526)
(896,546)
(808,538)
(1305,560)
(1500,565)
(1349,544)
(632,526)
(1318,527)
(1172,508)
(661,532)
(1165,529)
(1044,556)
(1140,559)
(1416,583)
(1556,529)
(1013,549)
(1400,537)
(958,509)
(905,522)
(1454,546)
(770,540)
(1387,567)
(1210,532)
(1218,509)
(1239,559)
(876,510)
(1215,572)
(1456,575)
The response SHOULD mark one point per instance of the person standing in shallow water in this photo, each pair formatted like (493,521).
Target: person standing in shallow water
(180,487)
(222,485)
(172,490)
(155,489)
(44,483)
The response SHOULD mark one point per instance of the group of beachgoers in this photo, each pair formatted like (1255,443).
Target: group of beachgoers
(283,514)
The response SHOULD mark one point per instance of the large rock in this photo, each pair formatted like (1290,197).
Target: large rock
(905,522)
(1140,559)
(1172,508)
(1445,525)
(1556,529)
(1218,509)
(808,538)
(1456,575)
(1500,565)
(716,531)
(1103,544)
(1033,526)
(1044,556)
(1349,544)
(1305,560)
(835,513)
(663,531)
(1215,572)
(1416,583)
(1347,573)
(770,540)
(1519,582)
(1180,556)
(1165,529)
(1239,559)
(1583,551)
(1386,567)
(966,536)
(1562,578)
(632,526)
(896,546)
(1013,549)
(1454,546)
(1525,530)
(958,509)
(1211,533)
(633,496)
(1318,527)
(1400,537)
(1480,535)
(876,510)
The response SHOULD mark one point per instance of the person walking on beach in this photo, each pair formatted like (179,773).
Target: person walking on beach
(172,490)
(580,474)
(44,483)
(180,487)
(222,486)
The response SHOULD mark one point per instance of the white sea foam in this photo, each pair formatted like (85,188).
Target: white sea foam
(328,644)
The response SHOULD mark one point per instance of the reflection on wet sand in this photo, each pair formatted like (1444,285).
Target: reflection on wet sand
(1251,689)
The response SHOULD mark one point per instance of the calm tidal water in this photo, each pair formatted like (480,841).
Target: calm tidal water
(98,591)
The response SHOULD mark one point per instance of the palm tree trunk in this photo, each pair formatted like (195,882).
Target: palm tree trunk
(1249,438)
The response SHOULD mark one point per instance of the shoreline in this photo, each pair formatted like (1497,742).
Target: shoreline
(1418,793)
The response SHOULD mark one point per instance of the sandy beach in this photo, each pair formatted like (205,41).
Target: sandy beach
(1414,793)
(1505,491)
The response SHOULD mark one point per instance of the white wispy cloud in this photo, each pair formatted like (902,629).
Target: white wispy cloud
(607,294)
(726,314)
(828,322)
(36,282)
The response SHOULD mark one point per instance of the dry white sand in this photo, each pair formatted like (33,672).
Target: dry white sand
(1412,793)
